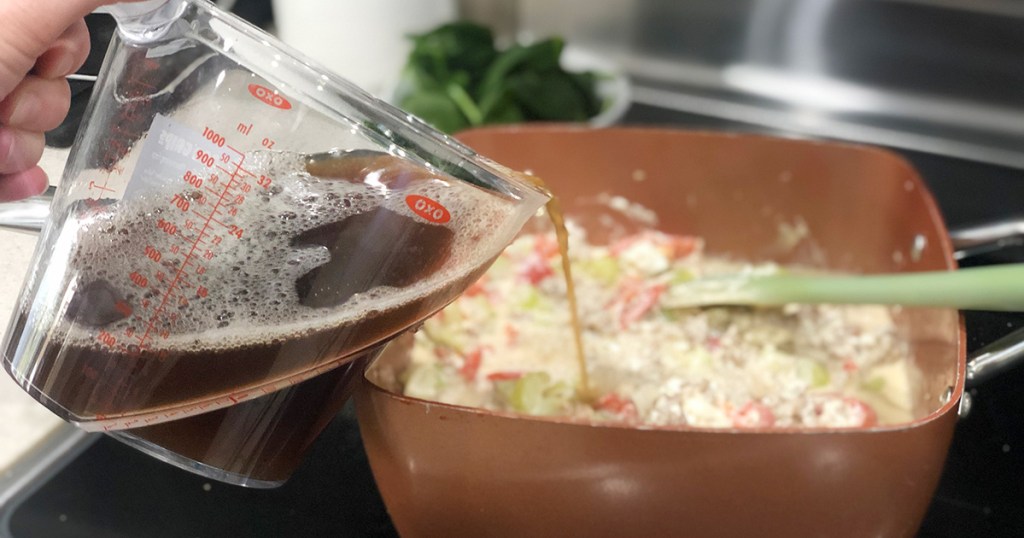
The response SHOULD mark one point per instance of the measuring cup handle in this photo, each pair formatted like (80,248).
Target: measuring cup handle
(144,21)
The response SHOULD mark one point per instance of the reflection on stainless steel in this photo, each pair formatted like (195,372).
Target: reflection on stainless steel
(27,215)
(989,232)
(822,125)
(987,238)
(997,357)
(941,76)
(81,78)
(835,95)
(964,410)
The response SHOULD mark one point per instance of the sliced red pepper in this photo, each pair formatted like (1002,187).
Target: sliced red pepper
(511,334)
(535,269)
(682,245)
(546,246)
(471,364)
(477,288)
(620,246)
(618,405)
(753,415)
(504,376)
(858,405)
(637,303)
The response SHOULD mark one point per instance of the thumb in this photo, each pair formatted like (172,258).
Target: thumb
(30,28)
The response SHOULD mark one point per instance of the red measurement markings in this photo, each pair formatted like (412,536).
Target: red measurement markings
(103,187)
(195,249)
(107,339)
(138,279)
(209,217)
(244,172)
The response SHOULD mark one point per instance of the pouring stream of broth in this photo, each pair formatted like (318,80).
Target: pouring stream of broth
(562,233)
(557,217)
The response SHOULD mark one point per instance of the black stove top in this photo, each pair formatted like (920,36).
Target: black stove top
(111,490)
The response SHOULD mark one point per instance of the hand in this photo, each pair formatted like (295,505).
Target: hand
(42,42)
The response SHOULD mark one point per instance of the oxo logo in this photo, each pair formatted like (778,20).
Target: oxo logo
(269,96)
(428,209)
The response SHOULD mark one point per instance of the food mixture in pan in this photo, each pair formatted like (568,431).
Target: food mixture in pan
(506,345)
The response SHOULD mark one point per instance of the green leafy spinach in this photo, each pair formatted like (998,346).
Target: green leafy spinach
(456,78)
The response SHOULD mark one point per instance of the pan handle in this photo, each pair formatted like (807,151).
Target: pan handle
(990,361)
(987,237)
(995,358)
(27,215)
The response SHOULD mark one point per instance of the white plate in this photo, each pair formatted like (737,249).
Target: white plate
(613,85)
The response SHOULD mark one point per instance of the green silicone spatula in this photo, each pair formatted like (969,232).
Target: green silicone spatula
(998,287)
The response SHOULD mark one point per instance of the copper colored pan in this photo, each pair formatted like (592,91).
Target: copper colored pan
(451,471)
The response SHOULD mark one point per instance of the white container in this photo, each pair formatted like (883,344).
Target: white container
(365,41)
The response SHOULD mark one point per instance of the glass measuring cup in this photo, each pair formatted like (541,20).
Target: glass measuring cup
(236,233)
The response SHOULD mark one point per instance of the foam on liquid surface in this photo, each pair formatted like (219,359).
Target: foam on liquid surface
(251,297)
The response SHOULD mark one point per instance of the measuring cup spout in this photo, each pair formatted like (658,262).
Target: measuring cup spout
(144,21)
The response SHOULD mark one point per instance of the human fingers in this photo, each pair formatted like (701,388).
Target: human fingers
(19,149)
(36,104)
(19,177)
(67,53)
(22,184)
(30,28)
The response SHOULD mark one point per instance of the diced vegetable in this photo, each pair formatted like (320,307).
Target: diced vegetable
(681,275)
(873,384)
(814,372)
(753,415)
(618,405)
(605,270)
(477,288)
(696,360)
(443,335)
(504,376)
(894,382)
(535,269)
(471,364)
(425,382)
(546,246)
(505,345)
(534,300)
(511,334)
(635,303)
(862,411)
(534,393)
